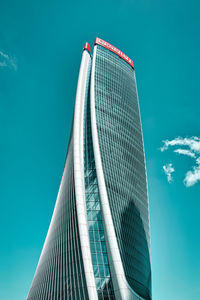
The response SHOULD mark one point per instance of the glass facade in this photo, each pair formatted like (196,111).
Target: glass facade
(60,273)
(95,225)
(77,262)
(121,147)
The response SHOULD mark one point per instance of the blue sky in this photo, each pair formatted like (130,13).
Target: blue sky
(40,52)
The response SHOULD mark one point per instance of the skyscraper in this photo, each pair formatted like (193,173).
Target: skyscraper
(98,243)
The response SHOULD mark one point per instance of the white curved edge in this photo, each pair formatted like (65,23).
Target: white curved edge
(122,289)
(79,175)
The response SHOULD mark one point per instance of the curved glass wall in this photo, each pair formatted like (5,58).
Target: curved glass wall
(122,155)
(95,225)
(60,273)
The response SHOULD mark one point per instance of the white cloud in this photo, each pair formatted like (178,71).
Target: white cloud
(7,61)
(185,152)
(4,55)
(168,169)
(192,177)
(193,143)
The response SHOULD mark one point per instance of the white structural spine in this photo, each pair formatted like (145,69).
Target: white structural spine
(79,176)
(122,289)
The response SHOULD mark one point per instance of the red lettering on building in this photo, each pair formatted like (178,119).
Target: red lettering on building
(115,50)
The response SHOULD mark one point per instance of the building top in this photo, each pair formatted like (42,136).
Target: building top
(108,46)
(87,47)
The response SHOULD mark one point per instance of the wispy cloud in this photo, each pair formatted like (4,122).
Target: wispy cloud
(7,61)
(185,152)
(169,169)
(193,144)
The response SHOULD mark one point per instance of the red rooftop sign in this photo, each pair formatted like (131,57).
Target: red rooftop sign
(115,50)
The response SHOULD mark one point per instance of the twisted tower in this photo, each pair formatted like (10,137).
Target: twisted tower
(98,244)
